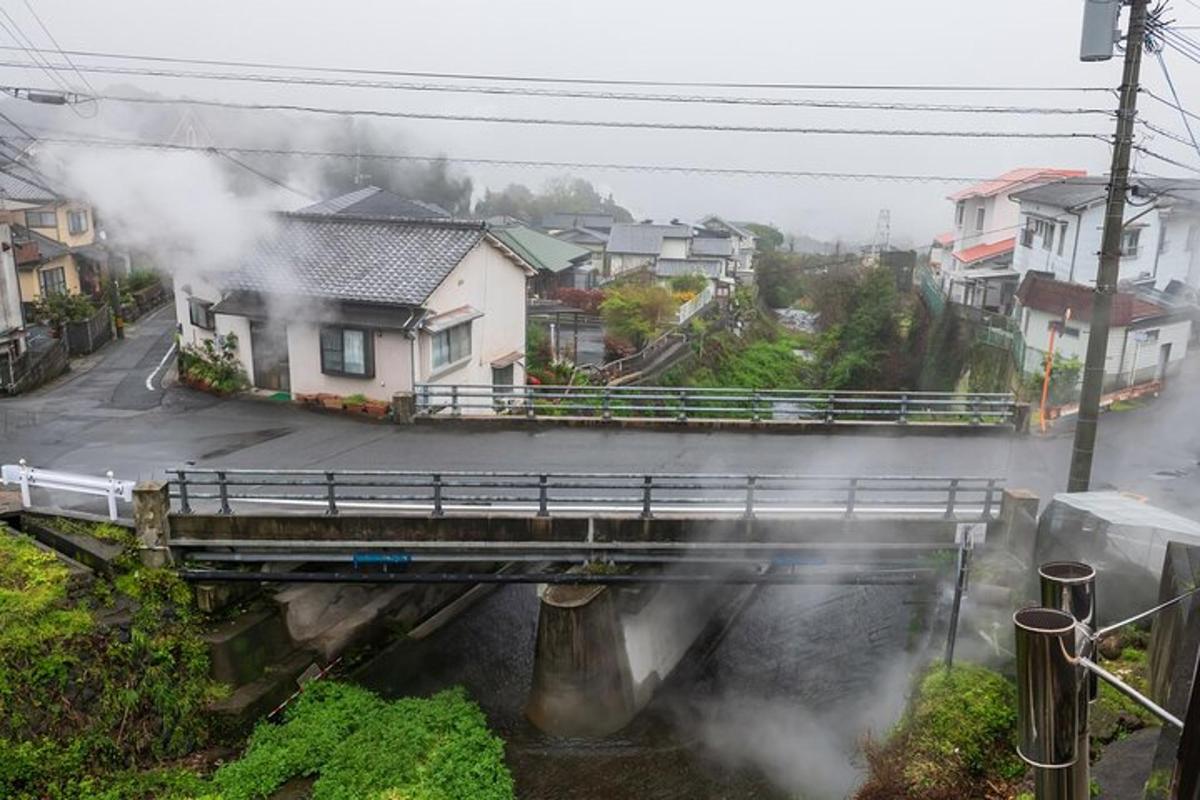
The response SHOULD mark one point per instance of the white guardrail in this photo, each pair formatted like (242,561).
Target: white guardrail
(29,478)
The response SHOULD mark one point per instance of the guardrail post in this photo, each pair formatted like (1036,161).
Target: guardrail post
(455,411)
(223,490)
(750,481)
(851,496)
(26,501)
(647,487)
(951,497)
(987,500)
(682,405)
(331,493)
(829,412)
(903,409)
(976,414)
(543,499)
(184,506)
(530,411)
(754,415)
(437,495)
(605,404)
(960,586)
(111,495)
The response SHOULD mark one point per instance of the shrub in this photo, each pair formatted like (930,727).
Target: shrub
(215,364)
(59,307)
(635,312)
(691,284)
(141,278)
(586,300)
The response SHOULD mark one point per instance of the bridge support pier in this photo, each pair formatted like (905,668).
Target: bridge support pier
(152,519)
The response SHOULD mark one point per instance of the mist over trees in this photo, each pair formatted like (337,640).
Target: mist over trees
(558,194)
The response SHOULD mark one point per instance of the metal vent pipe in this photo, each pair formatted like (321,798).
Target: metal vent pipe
(1070,586)
(1047,691)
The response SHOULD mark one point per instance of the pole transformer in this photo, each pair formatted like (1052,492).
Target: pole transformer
(1110,256)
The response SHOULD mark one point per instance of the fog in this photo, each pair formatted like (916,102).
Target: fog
(1022,42)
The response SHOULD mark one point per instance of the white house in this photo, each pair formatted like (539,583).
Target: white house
(639,245)
(745,244)
(366,305)
(1061,226)
(1147,340)
(979,269)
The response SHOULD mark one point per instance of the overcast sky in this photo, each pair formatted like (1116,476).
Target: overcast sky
(868,41)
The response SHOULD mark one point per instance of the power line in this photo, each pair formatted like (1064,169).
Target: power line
(1174,94)
(264,175)
(582,123)
(297,80)
(500,162)
(508,78)
(57,46)
(1165,159)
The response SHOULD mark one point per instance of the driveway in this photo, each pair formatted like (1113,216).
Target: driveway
(115,414)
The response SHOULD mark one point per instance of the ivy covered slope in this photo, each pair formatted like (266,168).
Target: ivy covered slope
(95,678)
(360,747)
(957,740)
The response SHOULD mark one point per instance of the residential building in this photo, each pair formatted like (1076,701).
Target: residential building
(12,320)
(54,239)
(939,252)
(638,245)
(1061,226)
(564,220)
(559,264)
(1147,340)
(367,305)
(593,240)
(979,270)
(372,201)
(745,244)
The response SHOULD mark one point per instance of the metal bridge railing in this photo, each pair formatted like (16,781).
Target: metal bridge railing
(28,478)
(527,494)
(683,404)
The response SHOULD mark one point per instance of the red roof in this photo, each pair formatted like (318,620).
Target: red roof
(982,252)
(1017,178)
(944,239)
(1055,297)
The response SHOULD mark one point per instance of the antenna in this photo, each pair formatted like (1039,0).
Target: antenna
(883,233)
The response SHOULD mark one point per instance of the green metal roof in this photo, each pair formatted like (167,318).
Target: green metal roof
(541,250)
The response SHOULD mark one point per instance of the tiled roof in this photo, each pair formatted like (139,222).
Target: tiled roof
(17,183)
(560,220)
(541,250)
(944,239)
(640,238)
(364,259)
(982,252)
(1055,297)
(738,228)
(579,234)
(1014,179)
(1079,192)
(372,201)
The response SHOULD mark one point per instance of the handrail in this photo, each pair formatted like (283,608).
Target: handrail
(725,403)
(29,478)
(542,494)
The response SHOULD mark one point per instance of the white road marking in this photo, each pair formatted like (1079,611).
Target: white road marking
(150,377)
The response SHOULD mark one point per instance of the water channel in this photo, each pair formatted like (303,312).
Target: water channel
(773,708)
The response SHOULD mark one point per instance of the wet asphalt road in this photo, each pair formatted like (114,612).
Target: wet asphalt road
(102,416)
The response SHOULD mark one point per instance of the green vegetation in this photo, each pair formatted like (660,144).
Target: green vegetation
(58,308)
(1114,716)
(1064,382)
(769,237)
(573,195)
(214,365)
(141,278)
(690,284)
(95,681)
(637,312)
(956,740)
(357,399)
(360,747)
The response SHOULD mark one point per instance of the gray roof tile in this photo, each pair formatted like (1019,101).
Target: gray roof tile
(372,201)
(641,238)
(363,259)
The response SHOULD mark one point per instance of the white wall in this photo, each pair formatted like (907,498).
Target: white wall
(186,288)
(10,294)
(624,262)
(489,282)
(239,327)
(393,365)
(674,248)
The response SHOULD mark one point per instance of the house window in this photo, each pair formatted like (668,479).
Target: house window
(77,221)
(451,345)
(1048,235)
(200,314)
(53,281)
(1129,242)
(1062,237)
(40,219)
(347,351)
(1058,327)
(1027,234)
(959,211)
(979,215)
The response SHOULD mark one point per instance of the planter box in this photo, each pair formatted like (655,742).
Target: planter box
(331,401)
(376,409)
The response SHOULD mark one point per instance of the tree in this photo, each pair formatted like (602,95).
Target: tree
(769,237)
(573,195)
(636,311)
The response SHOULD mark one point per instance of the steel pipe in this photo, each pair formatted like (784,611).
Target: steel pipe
(1047,688)
(877,578)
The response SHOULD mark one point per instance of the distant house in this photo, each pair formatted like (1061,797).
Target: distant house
(372,201)
(1147,340)
(592,239)
(54,239)
(367,305)
(559,264)
(12,320)
(563,220)
(979,270)
(939,252)
(744,244)
(639,245)
(1060,229)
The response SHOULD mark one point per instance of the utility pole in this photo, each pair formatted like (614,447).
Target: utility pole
(1110,256)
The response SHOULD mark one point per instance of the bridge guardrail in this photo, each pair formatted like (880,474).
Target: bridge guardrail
(29,478)
(526,494)
(683,404)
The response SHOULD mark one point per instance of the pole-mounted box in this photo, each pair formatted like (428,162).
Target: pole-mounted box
(1100,32)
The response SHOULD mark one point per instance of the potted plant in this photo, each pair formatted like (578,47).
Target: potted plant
(376,408)
(332,401)
(354,402)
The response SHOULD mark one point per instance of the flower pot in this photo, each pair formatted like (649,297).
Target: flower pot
(332,401)
(375,409)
